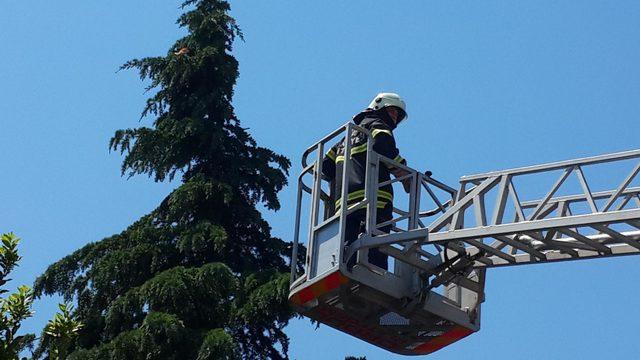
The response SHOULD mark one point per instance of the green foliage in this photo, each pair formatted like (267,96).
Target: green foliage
(8,258)
(218,345)
(16,307)
(200,277)
(61,331)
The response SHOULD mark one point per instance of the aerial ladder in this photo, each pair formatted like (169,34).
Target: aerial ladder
(444,239)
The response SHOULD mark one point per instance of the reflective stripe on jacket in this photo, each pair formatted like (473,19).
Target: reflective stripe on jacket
(381,128)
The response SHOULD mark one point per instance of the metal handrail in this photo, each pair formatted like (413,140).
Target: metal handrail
(424,180)
(328,138)
(624,155)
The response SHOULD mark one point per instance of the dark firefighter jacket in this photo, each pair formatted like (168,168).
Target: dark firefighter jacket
(381,128)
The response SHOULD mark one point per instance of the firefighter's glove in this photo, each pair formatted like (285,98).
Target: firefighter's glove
(406,183)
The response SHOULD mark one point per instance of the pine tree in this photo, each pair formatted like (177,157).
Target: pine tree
(200,277)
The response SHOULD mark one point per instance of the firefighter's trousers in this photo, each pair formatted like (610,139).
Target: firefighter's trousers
(355,226)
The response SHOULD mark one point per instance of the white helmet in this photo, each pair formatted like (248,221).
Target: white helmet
(384,100)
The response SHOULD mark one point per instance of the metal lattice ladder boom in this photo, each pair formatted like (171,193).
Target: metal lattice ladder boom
(543,230)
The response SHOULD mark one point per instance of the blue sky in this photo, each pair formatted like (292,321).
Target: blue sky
(489,85)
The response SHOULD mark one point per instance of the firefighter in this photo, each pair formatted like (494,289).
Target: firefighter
(381,117)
